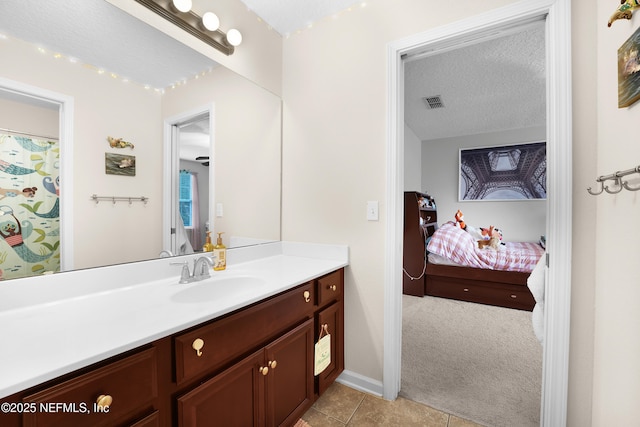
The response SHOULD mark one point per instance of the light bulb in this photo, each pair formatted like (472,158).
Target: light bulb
(182,5)
(234,38)
(210,21)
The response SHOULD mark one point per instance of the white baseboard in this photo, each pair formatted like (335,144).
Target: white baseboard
(360,382)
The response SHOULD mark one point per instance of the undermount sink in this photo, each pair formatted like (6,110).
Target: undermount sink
(215,288)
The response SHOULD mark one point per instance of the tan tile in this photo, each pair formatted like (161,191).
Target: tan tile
(374,411)
(459,422)
(339,402)
(316,418)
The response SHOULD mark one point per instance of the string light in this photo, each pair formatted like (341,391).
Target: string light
(113,75)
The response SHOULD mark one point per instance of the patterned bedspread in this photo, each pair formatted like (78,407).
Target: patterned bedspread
(460,247)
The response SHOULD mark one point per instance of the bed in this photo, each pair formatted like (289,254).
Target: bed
(458,269)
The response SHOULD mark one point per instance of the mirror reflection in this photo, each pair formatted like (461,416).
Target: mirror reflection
(192,221)
(240,194)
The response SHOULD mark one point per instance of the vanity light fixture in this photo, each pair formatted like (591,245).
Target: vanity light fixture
(205,28)
(183,6)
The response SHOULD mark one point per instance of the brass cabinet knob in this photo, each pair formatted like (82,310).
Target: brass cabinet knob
(197,345)
(104,401)
(272,364)
(264,370)
(332,287)
(306,296)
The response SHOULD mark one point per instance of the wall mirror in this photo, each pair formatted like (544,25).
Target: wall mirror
(113,96)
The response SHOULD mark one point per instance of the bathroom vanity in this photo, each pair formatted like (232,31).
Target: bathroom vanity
(236,349)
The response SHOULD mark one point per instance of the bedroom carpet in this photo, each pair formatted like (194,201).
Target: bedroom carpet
(475,361)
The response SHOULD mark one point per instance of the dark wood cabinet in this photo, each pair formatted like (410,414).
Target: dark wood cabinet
(229,338)
(289,387)
(272,387)
(252,367)
(420,222)
(330,320)
(231,398)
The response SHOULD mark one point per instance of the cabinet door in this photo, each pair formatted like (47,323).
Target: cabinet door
(331,319)
(232,398)
(289,389)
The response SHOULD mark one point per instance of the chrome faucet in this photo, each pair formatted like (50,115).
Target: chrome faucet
(201,267)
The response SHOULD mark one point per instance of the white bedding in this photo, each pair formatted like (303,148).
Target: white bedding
(535,283)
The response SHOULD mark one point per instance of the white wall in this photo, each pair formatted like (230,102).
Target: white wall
(616,388)
(412,161)
(37,120)
(520,221)
(334,158)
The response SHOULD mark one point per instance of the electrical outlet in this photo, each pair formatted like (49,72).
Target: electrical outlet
(372,210)
(219,211)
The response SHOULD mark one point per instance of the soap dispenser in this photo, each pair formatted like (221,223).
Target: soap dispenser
(219,255)
(208,246)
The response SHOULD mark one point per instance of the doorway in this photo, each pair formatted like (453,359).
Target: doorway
(556,347)
(491,93)
(188,181)
(32,96)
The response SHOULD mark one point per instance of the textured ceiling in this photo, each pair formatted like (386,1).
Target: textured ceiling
(490,86)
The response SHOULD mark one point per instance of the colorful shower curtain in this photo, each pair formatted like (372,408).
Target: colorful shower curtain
(29,206)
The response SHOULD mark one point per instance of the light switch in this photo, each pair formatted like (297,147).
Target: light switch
(372,210)
(219,211)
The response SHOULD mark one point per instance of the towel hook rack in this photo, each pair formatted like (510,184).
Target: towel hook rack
(618,183)
(115,199)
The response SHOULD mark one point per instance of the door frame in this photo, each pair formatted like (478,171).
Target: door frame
(65,133)
(555,370)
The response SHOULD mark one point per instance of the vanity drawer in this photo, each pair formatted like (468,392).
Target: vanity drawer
(131,384)
(330,287)
(209,347)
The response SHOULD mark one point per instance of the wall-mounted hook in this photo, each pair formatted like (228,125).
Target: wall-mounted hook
(617,183)
(599,192)
(626,185)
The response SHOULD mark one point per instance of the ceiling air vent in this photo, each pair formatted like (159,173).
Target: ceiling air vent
(433,102)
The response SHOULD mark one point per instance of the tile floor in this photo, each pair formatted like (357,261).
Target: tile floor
(342,406)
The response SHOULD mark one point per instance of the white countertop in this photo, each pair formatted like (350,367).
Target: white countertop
(50,326)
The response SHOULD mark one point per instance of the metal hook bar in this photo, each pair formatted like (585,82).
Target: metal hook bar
(618,185)
(115,199)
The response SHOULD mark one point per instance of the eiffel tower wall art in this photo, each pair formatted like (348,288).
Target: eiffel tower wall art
(500,173)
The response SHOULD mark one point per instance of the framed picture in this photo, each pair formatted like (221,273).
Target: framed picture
(506,172)
(119,164)
(628,67)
